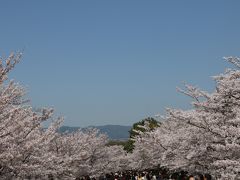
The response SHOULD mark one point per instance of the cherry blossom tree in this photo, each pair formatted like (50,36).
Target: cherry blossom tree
(206,138)
(214,126)
(29,150)
(23,140)
(85,153)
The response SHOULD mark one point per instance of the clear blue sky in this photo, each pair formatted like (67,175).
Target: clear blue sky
(117,62)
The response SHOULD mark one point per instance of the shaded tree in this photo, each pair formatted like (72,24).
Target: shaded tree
(147,124)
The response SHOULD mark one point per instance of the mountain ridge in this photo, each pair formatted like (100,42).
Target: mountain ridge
(114,132)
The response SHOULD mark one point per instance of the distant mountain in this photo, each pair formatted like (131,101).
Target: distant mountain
(114,132)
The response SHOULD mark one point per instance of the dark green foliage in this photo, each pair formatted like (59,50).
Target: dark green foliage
(152,125)
(129,145)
